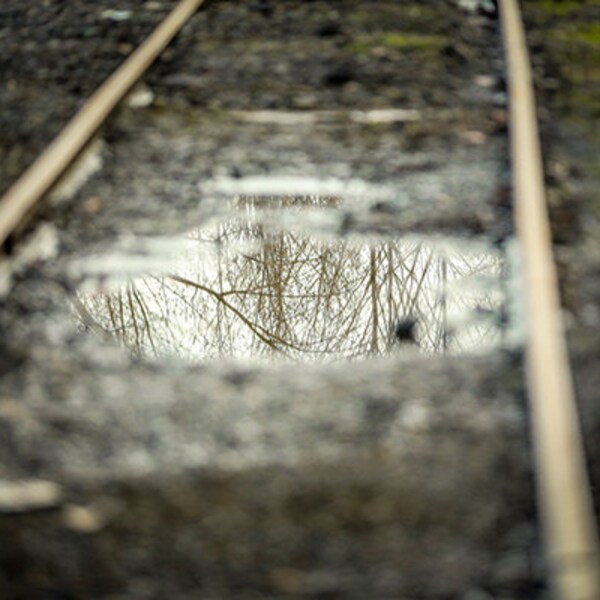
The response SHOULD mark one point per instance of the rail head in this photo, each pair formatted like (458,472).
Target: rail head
(564,495)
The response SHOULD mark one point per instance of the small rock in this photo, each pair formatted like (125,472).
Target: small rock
(306,101)
(476,138)
(329,29)
(417,416)
(141,97)
(29,495)
(339,75)
(485,7)
(82,519)
(468,5)
(117,15)
(405,331)
(125,48)
(92,205)
(486,81)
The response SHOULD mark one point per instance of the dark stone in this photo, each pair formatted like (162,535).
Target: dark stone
(339,75)
(405,330)
(262,7)
(385,207)
(329,29)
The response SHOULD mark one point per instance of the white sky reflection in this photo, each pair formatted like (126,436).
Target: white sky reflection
(262,292)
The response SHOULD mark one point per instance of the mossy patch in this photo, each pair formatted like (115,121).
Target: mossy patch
(569,33)
(576,51)
(560,8)
(414,12)
(584,101)
(396,41)
(585,34)
(403,40)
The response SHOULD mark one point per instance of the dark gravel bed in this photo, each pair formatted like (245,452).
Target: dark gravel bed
(303,55)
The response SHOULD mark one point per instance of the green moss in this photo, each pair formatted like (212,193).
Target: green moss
(358,47)
(415,12)
(571,43)
(577,57)
(586,34)
(557,8)
(403,40)
(396,41)
(583,100)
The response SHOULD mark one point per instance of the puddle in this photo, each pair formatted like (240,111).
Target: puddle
(250,287)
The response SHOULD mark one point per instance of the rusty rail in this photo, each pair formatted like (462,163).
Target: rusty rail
(43,174)
(564,495)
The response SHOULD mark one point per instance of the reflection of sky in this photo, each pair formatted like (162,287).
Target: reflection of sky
(267,293)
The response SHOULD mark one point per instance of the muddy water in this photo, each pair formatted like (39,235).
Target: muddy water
(264,283)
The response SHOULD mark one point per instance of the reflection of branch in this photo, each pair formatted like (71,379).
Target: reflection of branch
(417,292)
(89,321)
(374,294)
(138,298)
(271,341)
(133,318)
(111,314)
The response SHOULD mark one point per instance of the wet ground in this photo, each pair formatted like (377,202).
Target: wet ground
(265,341)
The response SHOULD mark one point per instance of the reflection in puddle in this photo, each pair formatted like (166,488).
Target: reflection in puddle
(311,189)
(266,292)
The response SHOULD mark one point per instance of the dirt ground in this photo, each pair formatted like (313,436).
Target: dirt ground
(405,474)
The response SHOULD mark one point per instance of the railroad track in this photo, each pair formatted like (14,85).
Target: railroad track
(564,493)
(563,489)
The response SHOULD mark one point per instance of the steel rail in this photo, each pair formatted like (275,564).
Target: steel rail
(564,495)
(47,169)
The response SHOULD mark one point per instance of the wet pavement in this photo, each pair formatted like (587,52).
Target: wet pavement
(265,341)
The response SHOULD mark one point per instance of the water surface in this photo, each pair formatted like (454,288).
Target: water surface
(255,286)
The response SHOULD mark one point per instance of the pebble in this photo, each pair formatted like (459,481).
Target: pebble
(29,495)
(117,15)
(82,519)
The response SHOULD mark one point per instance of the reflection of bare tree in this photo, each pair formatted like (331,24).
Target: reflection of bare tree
(294,296)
